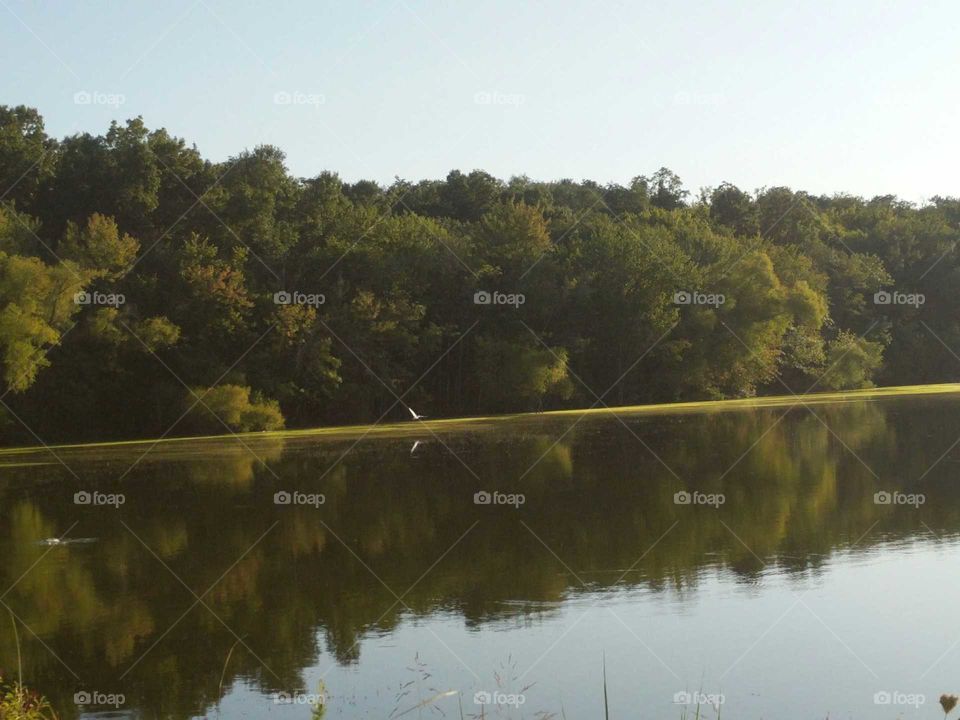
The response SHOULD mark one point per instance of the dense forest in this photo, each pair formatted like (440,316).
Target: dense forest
(146,291)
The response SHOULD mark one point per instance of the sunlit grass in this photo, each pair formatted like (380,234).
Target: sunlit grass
(411,429)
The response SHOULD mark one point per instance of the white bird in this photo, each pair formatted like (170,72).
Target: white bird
(414,414)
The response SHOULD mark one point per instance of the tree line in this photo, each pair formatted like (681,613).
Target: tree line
(145,290)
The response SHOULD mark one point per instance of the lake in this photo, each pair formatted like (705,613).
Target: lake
(788,561)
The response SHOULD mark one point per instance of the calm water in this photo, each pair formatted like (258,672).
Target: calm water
(795,594)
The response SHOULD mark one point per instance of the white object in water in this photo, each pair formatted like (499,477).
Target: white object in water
(416,444)
(60,542)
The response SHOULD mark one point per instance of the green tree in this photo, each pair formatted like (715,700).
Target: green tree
(519,374)
(27,156)
(37,301)
(852,361)
(233,406)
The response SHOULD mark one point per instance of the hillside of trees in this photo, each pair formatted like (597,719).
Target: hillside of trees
(147,291)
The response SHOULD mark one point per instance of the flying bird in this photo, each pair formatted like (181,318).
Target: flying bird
(414,414)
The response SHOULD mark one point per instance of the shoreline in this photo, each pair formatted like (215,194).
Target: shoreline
(407,426)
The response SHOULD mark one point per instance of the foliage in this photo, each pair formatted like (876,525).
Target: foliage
(392,273)
(233,408)
(20,703)
(851,362)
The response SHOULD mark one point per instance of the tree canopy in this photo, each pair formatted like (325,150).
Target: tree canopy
(137,276)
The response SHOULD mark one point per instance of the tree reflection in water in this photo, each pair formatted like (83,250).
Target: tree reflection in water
(297,581)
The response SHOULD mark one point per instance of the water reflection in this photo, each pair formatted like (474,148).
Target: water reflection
(199,565)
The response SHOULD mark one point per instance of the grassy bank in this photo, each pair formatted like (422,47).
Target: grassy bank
(408,428)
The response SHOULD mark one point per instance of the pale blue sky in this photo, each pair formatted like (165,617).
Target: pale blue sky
(858,96)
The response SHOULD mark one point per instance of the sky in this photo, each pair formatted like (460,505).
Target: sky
(856,97)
